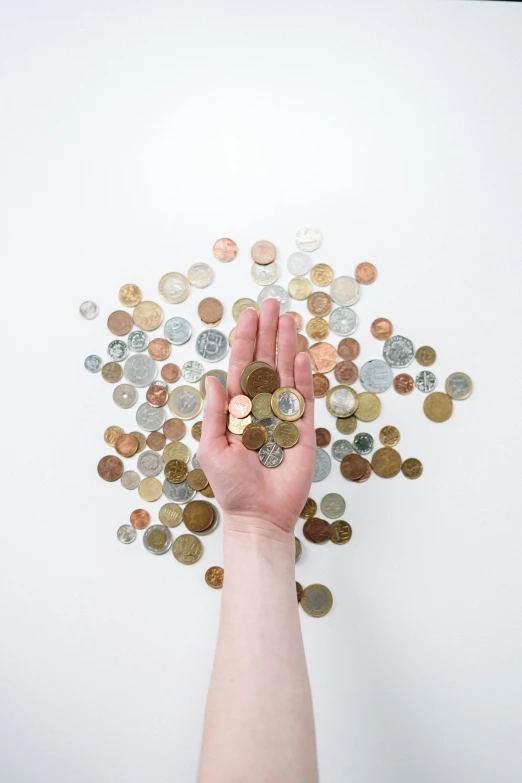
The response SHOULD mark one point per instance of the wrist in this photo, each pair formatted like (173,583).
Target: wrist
(259,534)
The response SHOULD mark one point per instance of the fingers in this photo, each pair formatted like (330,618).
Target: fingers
(242,349)
(213,436)
(266,332)
(286,348)
(304,384)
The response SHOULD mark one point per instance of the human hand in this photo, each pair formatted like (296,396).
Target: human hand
(265,500)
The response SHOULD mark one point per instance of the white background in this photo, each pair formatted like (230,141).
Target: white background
(133,135)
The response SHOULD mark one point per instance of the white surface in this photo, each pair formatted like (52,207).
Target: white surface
(134,135)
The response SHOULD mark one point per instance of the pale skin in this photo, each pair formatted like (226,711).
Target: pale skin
(259,724)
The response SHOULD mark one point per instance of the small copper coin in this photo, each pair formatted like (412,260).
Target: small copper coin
(297,318)
(317,530)
(323,357)
(425,355)
(254,436)
(198,515)
(302,343)
(140,518)
(214,577)
(365,273)
(196,430)
(299,591)
(381,328)
(263,252)
(349,349)
(119,323)
(322,436)
(346,372)
(157,395)
(159,349)
(240,406)
(110,468)
(321,384)
(262,380)
(341,532)
(156,441)
(176,471)
(170,373)
(403,383)
(367,473)
(319,303)
(140,437)
(196,479)
(126,445)
(412,468)
(207,491)
(225,250)
(174,429)
(210,310)
(353,466)
(309,509)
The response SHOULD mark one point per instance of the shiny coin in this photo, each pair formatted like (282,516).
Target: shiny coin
(156,441)
(140,437)
(261,380)
(200,275)
(157,394)
(322,436)
(192,371)
(140,369)
(317,530)
(425,381)
(321,384)
(265,274)
(270,455)
(126,534)
(376,376)
(137,341)
(157,539)
(221,375)
(119,323)
(317,329)
(150,463)
(210,309)
(212,345)
(159,349)
(365,273)
(147,316)
(214,577)
(179,451)
(438,406)
(129,295)
(185,402)
(270,423)
(196,479)
(126,445)
(288,403)
(174,287)
(93,363)
(130,479)
(342,401)
(363,443)
(275,292)
(150,489)
(346,372)
(177,330)
(149,418)
(238,426)
(386,462)
(240,406)
(412,468)
(369,407)
(298,549)
(323,465)
(389,435)
(112,372)
(187,549)
(174,429)
(316,600)
(348,349)
(321,275)
(425,355)
(381,328)
(261,405)
(89,310)
(196,430)
(140,518)
(170,373)
(263,252)
(170,514)
(343,321)
(299,288)
(242,304)
(458,386)
(341,532)
(178,493)
(398,351)
(344,290)
(403,383)
(117,350)
(346,426)
(323,357)
(286,434)
(298,264)
(333,505)
(308,239)
(125,395)
(319,303)
(309,509)
(353,466)
(110,468)
(225,249)
(176,471)
(340,448)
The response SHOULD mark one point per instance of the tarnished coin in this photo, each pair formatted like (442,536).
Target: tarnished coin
(386,462)
(398,351)
(298,549)
(177,450)
(342,401)
(365,273)
(346,372)
(389,435)
(110,468)
(263,252)
(298,264)
(369,407)
(178,493)
(316,600)
(412,468)
(185,402)
(198,515)
(149,418)
(321,275)
(207,491)
(225,249)
(140,518)
(214,577)
(150,463)
(210,309)
(308,239)
(156,441)
(93,363)
(200,275)
(266,274)
(137,341)
(147,316)
(403,383)
(323,465)
(176,471)
(129,295)
(130,479)
(170,514)
(150,489)
(187,549)
(242,304)
(353,466)
(425,381)
(196,430)
(174,429)
(287,403)
(126,534)
(438,406)
(192,371)
(270,455)
(340,448)
(177,330)
(196,479)
(381,328)
(157,539)
(343,321)
(119,323)
(140,369)
(238,426)
(221,375)
(341,532)
(261,379)
(376,376)
(363,443)
(458,386)
(317,530)
(425,355)
(261,405)
(345,290)
(112,372)
(317,328)
(323,357)
(286,434)
(348,349)
(89,310)
(322,437)
(174,287)
(125,395)
(212,345)
(321,384)
(126,445)
(117,350)
(309,509)
(346,426)
(275,292)
(333,505)
(300,288)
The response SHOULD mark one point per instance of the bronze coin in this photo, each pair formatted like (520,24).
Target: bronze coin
(198,515)
(140,518)
(322,436)
(297,318)
(367,473)
(346,426)
(262,380)
(425,355)
(170,373)
(319,303)
(317,530)
(353,466)
(174,429)
(176,471)
(196,430)
(126,445)
(156,441)
(323,357)
(299,591)
(110,468)
(302,343)
(207,491)
(386,462)
(254,436)
(381,328)
(403,383)
(119,323)
(365,273)
(157,395)
(263,252)
(196,479)
(346,372)
(412,468)
(214,577)
(341,532)
(225,249)
(159,349)
(348,349)
(309,509)
(210,309)
(140,437)
(321,384)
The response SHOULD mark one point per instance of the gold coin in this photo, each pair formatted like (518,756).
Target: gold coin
(287,403)
(386,462)
(231,336)
(425,355)
(150,489)
(176,450)
(112,372)
(286,434)
(187,549)
(346,426)
(207,491)
(174,287)
(317,328)
(112,433)
(316,600)
(170,514)
(185,402)
(196,479)
(300,288)
(342,401)
(140,437)
(221,374)
(214,577)
(236,425)
(198,515)
(196,430)
(211,324)
(147,316)
(250,367)
(242,304)
(176,471)
(341,532)
(321,274)
(129,295)
(369,406)
(438,406)
(309,509)
(389,435)
(261,407)
(412,468)
(458,386)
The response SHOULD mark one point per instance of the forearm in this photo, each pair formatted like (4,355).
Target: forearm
(259,721)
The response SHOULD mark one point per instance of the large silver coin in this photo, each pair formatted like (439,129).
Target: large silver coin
(200,275)
(340,448)
(185,402)
(425,381)
(212,345)
(138,341)
(333,505)
(265,274)
(298,549)
(126,534)
(157,539)
(376,376)
(363,443)
(342,401)
(149,418)
(308,239)
(150,463)
(177,330)
(323,464)
(125,395)
(398,351)
(343,321)
(344,290)
(93,363)
(270,455)
(130,480)
(117,350)
(178,493)
(192,371)
(174,287)
(140,369)
(270,422)
(288,403)
(89,310)
(298,264)
(275,292)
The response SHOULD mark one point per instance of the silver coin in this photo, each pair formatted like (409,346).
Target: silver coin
(344,290)
(130,480)
(149,534)
(308,239)
(159,382)
(343,321)
(93,363)
(270,455)
(192,371)
(117,350)
(288,403)
(177,330)
(363,443)
(270,422)
(89,310)
(200,275)
(323,464)
(150,463)
(137,341)
(458,385)
(340,448)
(376,376)
(126,534)
(275,292)
(333,505)
(125,395)
(179,493)
(195,463)
(298,264)
(149,418)
(342,401)
(398,351)
(265,274)
(298,549)
(212,345)
(185,402)
(425,381)
(140,369)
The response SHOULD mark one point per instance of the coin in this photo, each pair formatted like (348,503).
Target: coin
(308,239)
(323,357)
(200,275)
(321,384)
(157,395)
(316,600)
(140,369)
(353,466)
(117,350)
(348,349)
(389,435)
(150,489)
(321,274)
(140,437)
(270,455)
(275,292)
(196,479)
(159,349)
(438,406)
(174,429)
(140,518)
(231,336)
(365,273)
(299,287)
(298,549)
(238,426)
(270,423)
(130,479)
(93,363)
(196,430)
(286,434)
(192,371)
(298,264)
(342,401)
(126,534)
(212,345)
(150,463)
(207,491)
(119,323)
(147,316)
(398,351)
(157,539)
(363,443)
(187,549)
(458,386)
(333,505)
(263,252)
(309,509)
(126,445)
(137,341)
(323,465)
(343,321)
(129,295)
(176,450)
(185,402)
(317,530)
(341,447)
(89,310)
(381,328)
(287,403)
(346,372)
(177,330)
(178,493)
(261,405)
(156,441)
(297,318)
(225,249)
(254,436)
(302,343)
(319,303)
(322,436)
(176,471)
(110,468)
(344,290)
(149,418)
(317,328)
(266,274)
(403,383)
(112,372)
(425,355)
(173,288)
(346,426)
(341,532)
(198,515)
(125,395)
(210,309)
(242,304)
(425,381)
(262,380)
(221,375)
(412,468)
(214,577)
(240,406)
(170,514)
(376,376)
(369,407)
(299,591)
(386,462)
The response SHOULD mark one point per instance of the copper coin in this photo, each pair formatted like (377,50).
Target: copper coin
(321,384)
(263,252)
(140,518)
(297,318)
(196,479)
(196,430)
(302,343)
(381,328)
(346,372)
(411,468)
(159,349)
(174,429)
(367,473)
(323,357)
(365,273)
(262,380)
(170,373)
(309,509)
(210,309)
(119,323)
(176,471)
(254,436)
(198,515)
(403,383)
(348,349)
(126,445)
(322,436)
(240,406)
(317,530)
(299,591)
(140,437)
(214,577)
(157,395)
(207,491)
(353,466)
(425,355)
(110,468)
(225,250)
(156,441)
(319,303)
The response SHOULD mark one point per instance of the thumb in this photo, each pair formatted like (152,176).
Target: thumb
(214,416)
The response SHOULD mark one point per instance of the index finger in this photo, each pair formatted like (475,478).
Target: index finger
(243,347)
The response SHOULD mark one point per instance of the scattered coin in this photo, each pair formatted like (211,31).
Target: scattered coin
(125,395)
(353,466)
(110,468)
(174,429)
(117,350)
(317,530)
(177,450)
(196,479)
(340,448)
(212,345)
(363,443)
(159,349)
(319,303)
(342,401)
(156,441)
(170,514)
(192,371)
(174,288)
(369,407)
(425,355)
(298,549)
(425,381)
(376,376)
(242,304)
(333,505)
(398,351)
(157,395)
(112,372)
(200,275)
(126,445)
(438,406)
(225,250)
(343,321)
(302,343)
(196,430)
(198,515)
(323,357)
(297,318)
(185,402)
(341,532)
(126,534)
(137,341)
(298,264)
(365,273)
(214,577)
(265,274)
(299,591)
(147,316)
(389,435)
(178,493)
(150,489)
(177,330)
(346,372)
(308,239)
(210,309)
(140,518)
(119,323)
(157,539)
(129,295)
(140,437)
(381,328)
(348,349)
(275,292)
(386,462)
(345,291)
(299,288)
(323,465)
(130,479)
(321,384)
(150,463)
(270,455)
(187,549)
(140,369)
(322,437)
(317,329)
(176,471)
(458,386)
(263,252)
(412,468)
(321,275)
(403,383)
(346,426)
(149,418)
(221,375)
(309,509)
(93,363)
(286,434)
(89,310)
(316,600)
(231,336)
